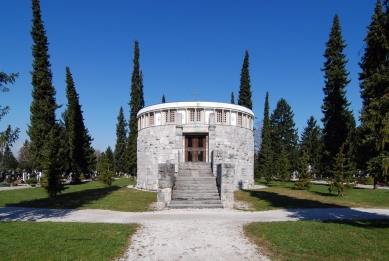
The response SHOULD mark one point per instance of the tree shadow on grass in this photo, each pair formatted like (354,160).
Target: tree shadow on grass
(307,209)
(282,201)
(71,200)
(369,223)
(61,205)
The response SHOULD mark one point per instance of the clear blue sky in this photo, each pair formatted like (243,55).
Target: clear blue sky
(184,44)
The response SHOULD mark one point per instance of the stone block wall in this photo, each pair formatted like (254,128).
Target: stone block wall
(234,145)
(156,145)
(166,178)
(226,185)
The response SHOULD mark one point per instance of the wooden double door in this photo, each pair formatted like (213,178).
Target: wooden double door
(195,148)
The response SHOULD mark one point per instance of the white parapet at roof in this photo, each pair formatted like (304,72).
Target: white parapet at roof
(196,104)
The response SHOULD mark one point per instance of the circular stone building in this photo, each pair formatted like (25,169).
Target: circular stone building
(196,132)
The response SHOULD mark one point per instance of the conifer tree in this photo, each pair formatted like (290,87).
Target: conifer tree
(374,84)
(110,158)
(75,128)
(284,134)
(304,181)
(341,174)
(232,98)
(245,85)
(337,119)
(163,98)
(89,153)
(136,103)
(265,160)
(120,147)
(106,173)
(311,143)
(43,130)
(283,166)
(24,157)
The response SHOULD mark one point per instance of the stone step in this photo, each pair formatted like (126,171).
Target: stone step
(194,179)
(178,206)
(186,171)
(198,190)
(195,174)
(195,196)
(195,204)
(194,186)
(209,201)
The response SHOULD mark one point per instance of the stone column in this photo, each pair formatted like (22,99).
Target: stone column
(211,140)
(178,140)
(227,187)
(165,184)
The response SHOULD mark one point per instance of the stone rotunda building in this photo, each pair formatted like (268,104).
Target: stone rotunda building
(175,139)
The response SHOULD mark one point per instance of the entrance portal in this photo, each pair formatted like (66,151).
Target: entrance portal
(195,148)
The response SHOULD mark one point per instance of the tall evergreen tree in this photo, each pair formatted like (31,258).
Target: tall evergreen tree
(89,153)
(245,85)
(265,153)
(163,98)
(75,128)
(311,143)
(337,119)
(24,157)
(232,98)
(120,147)
(136,103)
(109,156)
(374,84)
(284,134)
(283,166)
(43,130)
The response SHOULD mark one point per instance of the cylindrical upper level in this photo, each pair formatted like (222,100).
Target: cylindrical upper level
(195,113)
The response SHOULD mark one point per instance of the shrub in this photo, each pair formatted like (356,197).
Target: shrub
(32,180)
(369,181)
(5,184)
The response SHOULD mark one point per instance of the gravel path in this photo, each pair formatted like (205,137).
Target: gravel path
(192,234)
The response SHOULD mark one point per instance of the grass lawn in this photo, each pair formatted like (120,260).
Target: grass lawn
(278,196)
(88,195)
(63,241)
(322,240)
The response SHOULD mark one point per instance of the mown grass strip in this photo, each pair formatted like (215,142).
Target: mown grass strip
(89,195)
(63,241)
(322,240)
(278,196)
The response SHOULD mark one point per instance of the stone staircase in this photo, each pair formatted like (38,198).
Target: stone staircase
(195,187)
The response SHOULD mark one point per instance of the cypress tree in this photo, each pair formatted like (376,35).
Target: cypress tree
(374,85)
(245,85)
(136,103)
(75,128)
(120,147)
(110,158)
(89,152)
(265,153)
(337,119)
(163,98)
(284,134)
(311,143)
(43,131)
(232,98)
